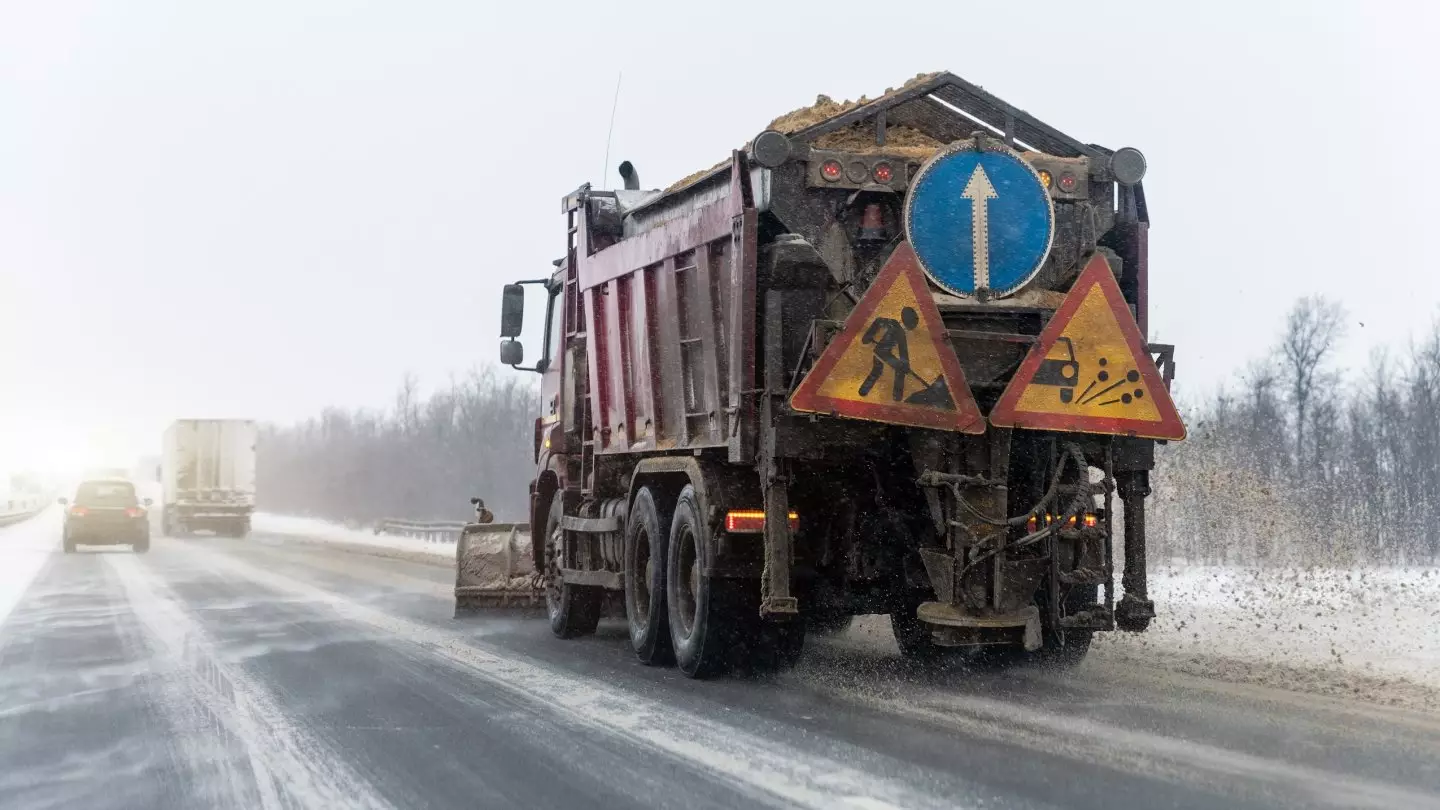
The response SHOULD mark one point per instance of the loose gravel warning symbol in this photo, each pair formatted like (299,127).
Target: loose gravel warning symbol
(893,361)
(1089,371)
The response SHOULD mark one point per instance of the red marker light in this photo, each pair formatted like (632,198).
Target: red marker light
(882,173)
(134,512)
(78,511)
(831,170)
(752,521)
(1067,182)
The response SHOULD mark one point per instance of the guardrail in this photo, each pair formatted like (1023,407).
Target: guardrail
(443,531)
(16,509)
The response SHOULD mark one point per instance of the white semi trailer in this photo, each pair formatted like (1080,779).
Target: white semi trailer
(207,476)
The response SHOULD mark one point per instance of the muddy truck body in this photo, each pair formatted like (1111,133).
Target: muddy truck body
(679,474)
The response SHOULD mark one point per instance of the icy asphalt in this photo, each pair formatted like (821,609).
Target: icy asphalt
(269,674)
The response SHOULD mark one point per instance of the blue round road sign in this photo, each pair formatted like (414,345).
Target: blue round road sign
(979,219)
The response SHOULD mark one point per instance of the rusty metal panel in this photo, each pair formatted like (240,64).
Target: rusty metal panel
(617,312)
(706,224)
(638,342)
(697,346)
(670,376)
(741,405)
(599,364)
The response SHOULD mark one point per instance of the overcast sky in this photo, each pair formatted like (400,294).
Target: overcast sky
(262,208)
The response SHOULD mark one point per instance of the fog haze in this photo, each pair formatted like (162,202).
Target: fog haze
(262,209)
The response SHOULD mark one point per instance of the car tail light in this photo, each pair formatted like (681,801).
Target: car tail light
(831,170)
(752,521)
(882,173)
(134,512)
(78,511)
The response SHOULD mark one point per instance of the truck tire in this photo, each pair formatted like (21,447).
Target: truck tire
(912,636)
(647,532)
(573,610)
(828,624)
(1050,655)
(141,546)
(707,617)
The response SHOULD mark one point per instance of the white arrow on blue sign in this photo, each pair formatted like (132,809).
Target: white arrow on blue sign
(979,219)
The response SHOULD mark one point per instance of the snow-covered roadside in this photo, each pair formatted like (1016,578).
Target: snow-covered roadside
(24,548)
(1371,634)
(270,528)
(1371,630)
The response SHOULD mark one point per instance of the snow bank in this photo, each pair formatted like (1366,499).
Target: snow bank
(24,548)
(308,530)
(1368,630)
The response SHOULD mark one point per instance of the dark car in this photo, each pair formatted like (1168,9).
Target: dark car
(106,512)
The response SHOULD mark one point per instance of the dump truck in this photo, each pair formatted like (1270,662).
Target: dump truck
(207,476)
(888,358)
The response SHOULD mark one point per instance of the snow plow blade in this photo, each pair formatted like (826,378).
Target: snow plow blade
(494,571)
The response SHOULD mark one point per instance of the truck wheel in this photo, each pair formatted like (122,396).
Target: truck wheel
(828,624)
(780,644)
(1077,642)
(707,620)
(646,534)
(573,610)
(141,546)
(1051,655)
(913,637)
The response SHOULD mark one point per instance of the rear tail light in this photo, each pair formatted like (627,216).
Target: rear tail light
(872,225)
(1046,178)
(882,173)
(831,170)
(1067,182)
(78,511)
(134,512)
(752,521)
(1090,520)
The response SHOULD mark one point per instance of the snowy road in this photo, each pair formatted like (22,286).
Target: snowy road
(265,673)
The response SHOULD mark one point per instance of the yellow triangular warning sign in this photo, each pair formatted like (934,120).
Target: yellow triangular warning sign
(1089,371)
(893,361)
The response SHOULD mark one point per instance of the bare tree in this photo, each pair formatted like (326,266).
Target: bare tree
(1312,331)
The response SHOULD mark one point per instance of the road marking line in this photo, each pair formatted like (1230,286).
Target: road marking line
(1137,752)
(769,771)
(291,767)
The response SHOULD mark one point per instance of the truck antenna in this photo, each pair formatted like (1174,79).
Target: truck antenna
(613,106)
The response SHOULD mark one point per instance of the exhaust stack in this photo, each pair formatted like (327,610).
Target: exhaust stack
(630,176)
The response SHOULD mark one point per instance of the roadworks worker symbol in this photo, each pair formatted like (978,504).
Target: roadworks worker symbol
(892,362)
(1089,371)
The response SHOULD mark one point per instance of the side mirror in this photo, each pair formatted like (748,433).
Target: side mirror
(511,352)
(512,311)
(148,502)
(62,501)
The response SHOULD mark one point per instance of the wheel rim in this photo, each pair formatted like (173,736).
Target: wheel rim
(645,567)
(552,571)
(687,580)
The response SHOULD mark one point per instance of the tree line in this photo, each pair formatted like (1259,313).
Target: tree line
(1295,460)
(421,459)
